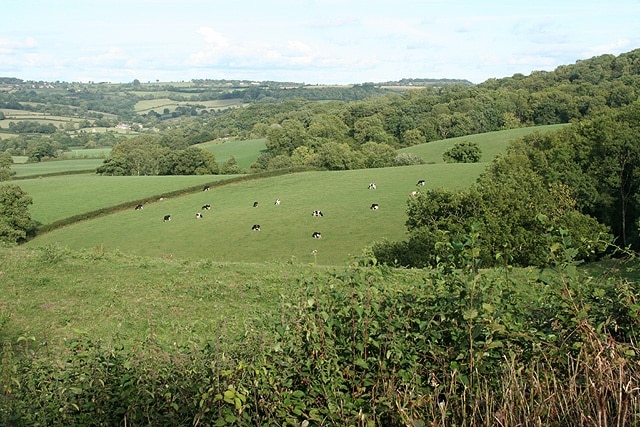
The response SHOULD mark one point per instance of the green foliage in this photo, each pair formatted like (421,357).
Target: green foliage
(365,345)
(514,211)
(15,219)
(463,152)
(406,159)
(231,167)
(5,166)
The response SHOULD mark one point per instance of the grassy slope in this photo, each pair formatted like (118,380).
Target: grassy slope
(224,234)
(491,143)
(63,295)
(57,166)
(245,152)
(63,196)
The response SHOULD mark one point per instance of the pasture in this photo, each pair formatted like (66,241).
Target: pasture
(245,152)
(491,143)
(59,197)
(224,233)
(56,167)
(159,104)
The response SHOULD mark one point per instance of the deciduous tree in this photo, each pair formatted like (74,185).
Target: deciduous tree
(15,219)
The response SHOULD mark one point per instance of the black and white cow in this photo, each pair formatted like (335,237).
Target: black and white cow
(206,207)
(277,202)
(167,218)
(198,215)
(256,227)
(316,235)
(374,207)
(139,207)
(414,194)
(372,186)
(206,188)
(421,182)
(317,213)
(255,204)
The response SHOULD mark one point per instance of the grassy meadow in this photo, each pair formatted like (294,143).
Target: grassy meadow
(491,143)
(224,233)
(245,151)
(56,167)
(63,196)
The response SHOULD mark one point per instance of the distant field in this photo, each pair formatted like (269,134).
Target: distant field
(245,152)
(158,105)
(55,166)
(60,197)
(491,143)
(224,234)
(43,118)
(88,153)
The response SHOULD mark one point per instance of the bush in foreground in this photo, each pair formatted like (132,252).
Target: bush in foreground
(367,346)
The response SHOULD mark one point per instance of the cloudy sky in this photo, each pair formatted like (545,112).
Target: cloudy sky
(310,41)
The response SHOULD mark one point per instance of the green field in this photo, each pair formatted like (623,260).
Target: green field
(245,152)
(159,104)
(55,167)
(491,143)
(59,197)
(224,234)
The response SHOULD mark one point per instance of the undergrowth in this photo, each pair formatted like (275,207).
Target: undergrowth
(367,346)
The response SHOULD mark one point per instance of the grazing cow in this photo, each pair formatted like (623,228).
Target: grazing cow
(167,218)
(206,188)
(421,182)
(256,227)
(206,207)
(372,186)
(317,213)
(316,235)
(161,199)
(255,204)
(139,207)
(374,207)
(198,215)
(277,201)
(414,193)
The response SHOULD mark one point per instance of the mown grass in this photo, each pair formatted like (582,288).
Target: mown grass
(224,233)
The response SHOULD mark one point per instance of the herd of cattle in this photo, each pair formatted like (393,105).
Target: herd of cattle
(256,227)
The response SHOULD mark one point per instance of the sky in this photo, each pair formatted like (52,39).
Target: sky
(306,41)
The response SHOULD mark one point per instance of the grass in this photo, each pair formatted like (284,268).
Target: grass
(132,297)
(59,197)
(159,104)
(491,143)
(245,152)
(55,167)
(224,234)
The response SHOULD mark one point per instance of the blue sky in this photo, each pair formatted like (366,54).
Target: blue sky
(310,41)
